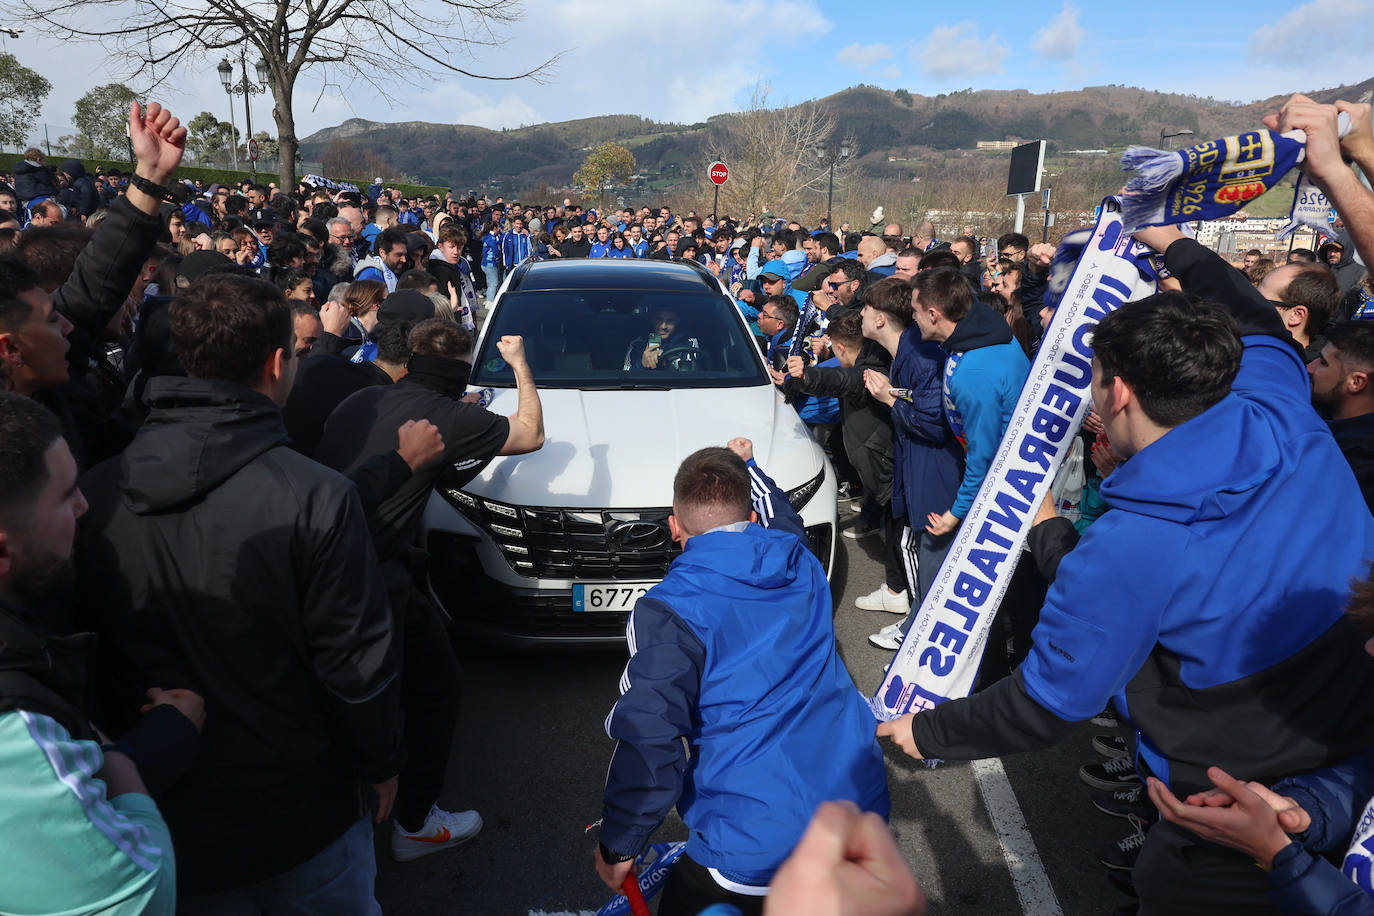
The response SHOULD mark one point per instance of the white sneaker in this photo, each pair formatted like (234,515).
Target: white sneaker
(880,599)
(889,637)
(442,830)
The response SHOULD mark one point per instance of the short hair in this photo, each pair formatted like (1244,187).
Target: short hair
(27,431)
(852,270)
(338,221)
(300,308)
(389,238)
(15,276)
(417,279)
(848,329)
(972,243)
(940,257)
(1302,256)
(892,297)
(787,237)
(1013,240)
(1355,341)
(946,289)
(392,338)
(442,338)
(226,326)
(827,240)
(362,295)
(711,488)
(1314,288)
(452,232)
(786,307)
(52,252)
(1178,353)
(1254,252)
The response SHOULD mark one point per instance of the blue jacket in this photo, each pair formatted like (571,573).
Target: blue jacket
(491,249)
(614,252)
(985,387)
(929,462)
(773,733)
(599,250)
(515,248)
(1247,628)
(813,408)
(1301,881)
(641,248)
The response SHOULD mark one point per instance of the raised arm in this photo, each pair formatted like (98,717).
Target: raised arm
(527,424)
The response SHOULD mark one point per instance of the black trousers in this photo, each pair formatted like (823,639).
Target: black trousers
(691,889)
(431,687)
(1180,874)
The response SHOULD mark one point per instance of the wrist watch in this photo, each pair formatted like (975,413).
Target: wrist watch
(150,188)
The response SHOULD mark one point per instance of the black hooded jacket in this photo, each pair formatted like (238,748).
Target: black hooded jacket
(32,181)
(217,558)
(80,194)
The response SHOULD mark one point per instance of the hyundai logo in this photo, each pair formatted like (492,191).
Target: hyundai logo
(640,535)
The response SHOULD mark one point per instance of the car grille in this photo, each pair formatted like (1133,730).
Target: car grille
(593,545)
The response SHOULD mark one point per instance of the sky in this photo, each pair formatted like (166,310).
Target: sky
(684,62)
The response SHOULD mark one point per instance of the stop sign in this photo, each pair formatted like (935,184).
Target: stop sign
(719,172)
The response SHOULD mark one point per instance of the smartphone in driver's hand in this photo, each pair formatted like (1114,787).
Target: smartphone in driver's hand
(655,339)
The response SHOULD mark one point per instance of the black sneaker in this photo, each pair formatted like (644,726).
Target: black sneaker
(1122,854)
(1112,776)
(1125,803)
(1106,718)
(1109,745)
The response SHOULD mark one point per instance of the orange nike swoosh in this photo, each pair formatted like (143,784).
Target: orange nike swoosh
(443,836)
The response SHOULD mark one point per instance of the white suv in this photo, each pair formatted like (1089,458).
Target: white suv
(555,546)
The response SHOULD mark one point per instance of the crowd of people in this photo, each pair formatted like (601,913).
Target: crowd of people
(226,407)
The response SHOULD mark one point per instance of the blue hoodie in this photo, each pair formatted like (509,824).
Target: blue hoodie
(772,733)
(986,381)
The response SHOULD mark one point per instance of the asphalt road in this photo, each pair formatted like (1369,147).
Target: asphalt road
(531,754)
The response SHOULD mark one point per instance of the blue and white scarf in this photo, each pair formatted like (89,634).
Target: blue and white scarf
(1210,180)
(952,415)
(939,658)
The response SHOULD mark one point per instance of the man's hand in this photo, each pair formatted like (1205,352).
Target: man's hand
(942,523)
(649,359)
(847,864)
(1293,818)
(879,386)
(778,377)
(1250,824)
(187,702)
(1040,254)
(512,350)
(1323,163)
(613,876)
(746,295)
(1159,237)
(386,797)
(1359,143)
(756,242)
(420,443)
(713,267)
(899,730)
(159,141)
(334,318)
(742,447)
(819,346)
(796,366)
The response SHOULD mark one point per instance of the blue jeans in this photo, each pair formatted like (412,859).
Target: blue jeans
(338,881)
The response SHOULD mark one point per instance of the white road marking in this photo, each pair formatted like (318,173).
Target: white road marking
(1018,849)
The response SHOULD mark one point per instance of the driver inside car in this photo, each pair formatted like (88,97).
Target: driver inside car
(664,346)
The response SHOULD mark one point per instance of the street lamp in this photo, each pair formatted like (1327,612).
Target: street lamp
(1178,133)
(829,155)
(247,89)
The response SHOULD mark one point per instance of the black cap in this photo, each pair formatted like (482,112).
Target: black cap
(405,305)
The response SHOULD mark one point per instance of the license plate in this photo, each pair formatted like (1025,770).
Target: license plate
(596,598)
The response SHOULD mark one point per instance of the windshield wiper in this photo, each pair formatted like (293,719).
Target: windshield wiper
(624,387)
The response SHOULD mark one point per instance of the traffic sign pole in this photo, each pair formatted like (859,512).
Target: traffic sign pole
(719,173)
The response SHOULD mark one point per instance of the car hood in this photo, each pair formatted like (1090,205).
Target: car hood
(620,449)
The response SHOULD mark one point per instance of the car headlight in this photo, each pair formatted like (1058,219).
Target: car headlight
(800,496)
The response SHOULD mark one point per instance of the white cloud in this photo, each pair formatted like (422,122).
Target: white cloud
(669,62)
(892,73)
(958,51)
(862,57)
(1319,28)
(1060,38)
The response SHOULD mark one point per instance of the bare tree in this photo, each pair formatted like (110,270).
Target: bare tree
(154,40)
(771,153)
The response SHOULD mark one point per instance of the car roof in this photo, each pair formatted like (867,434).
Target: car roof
(614,273)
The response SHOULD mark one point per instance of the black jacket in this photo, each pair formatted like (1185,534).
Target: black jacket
(32,180)
(1355,436)
(100,283)
(572,249)
(217,558)
(866,425)
(80,195)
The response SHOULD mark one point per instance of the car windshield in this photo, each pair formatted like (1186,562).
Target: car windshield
(621,338)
